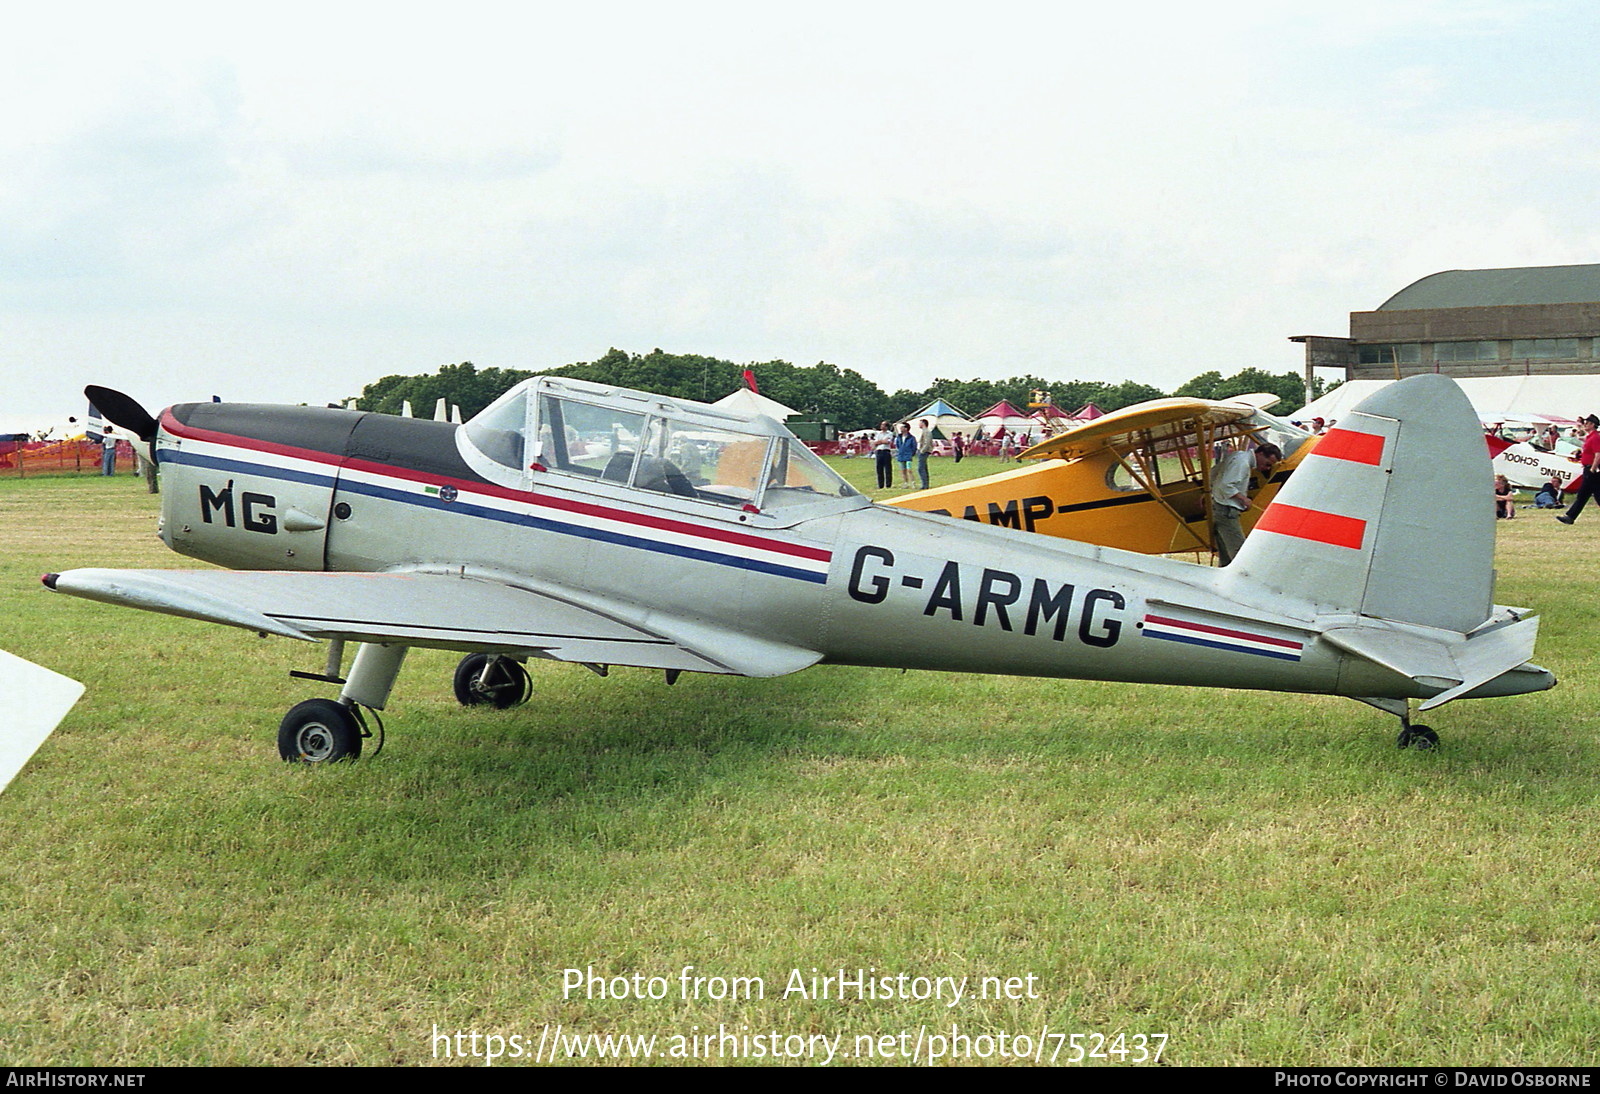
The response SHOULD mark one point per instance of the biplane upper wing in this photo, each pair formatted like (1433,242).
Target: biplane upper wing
(439,610)
(1158,420)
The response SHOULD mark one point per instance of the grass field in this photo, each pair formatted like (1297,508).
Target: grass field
(1264,879)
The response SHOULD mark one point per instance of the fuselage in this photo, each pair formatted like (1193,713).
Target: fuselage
(284,488)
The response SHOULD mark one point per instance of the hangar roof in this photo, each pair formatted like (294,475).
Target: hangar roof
(1492,288)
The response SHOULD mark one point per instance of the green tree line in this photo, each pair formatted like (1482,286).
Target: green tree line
(843,396)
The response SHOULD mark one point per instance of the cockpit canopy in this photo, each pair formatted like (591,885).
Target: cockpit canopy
(646,442)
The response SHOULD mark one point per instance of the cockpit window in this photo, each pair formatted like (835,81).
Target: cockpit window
(703,462)
(647,443)
(586,439)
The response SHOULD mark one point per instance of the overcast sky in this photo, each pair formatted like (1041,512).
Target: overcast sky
(285,202)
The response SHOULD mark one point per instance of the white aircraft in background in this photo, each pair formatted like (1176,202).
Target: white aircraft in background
(1529,467)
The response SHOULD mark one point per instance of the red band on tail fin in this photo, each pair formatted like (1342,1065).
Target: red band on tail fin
(1347,444)
(1289,520)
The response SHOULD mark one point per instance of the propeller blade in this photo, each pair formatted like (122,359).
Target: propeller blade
(122,410)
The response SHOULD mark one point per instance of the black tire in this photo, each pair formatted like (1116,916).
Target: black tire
(1418,737)
(319,731)
(508,684)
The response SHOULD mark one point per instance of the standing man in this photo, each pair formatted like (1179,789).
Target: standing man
(1230,496)
(108,454)
(960,447)
(905,450)
(924,450)
(883,455)
(1589,457)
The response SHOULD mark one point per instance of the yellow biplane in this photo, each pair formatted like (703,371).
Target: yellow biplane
(1138,479)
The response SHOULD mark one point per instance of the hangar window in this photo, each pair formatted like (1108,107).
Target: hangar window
(1544,347)
(1403,353)
(1466,351)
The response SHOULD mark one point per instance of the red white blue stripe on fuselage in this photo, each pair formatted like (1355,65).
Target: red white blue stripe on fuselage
(562,515)
(1191,633)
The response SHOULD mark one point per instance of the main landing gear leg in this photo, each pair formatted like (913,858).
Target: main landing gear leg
(491,678)
(323,730)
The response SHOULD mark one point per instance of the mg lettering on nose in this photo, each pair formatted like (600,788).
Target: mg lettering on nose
(257,509)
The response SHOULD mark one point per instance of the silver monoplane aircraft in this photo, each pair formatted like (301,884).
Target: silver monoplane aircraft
(588,524)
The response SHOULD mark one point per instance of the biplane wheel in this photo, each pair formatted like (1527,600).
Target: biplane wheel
(1420,737)
(507,685)
(319,731)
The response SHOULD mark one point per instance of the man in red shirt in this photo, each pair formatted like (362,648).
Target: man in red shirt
(1589,457)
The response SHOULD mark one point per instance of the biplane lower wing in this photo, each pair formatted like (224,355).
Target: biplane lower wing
(436,610)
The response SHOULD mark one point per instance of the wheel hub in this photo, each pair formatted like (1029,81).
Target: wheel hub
(316,742)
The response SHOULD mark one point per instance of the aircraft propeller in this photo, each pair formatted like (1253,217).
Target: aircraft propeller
(122,410)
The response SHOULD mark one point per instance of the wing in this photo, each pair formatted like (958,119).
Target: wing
(442,611)
(36,701)
(1158,419)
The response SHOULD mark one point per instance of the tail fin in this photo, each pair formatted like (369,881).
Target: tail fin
(1389,517)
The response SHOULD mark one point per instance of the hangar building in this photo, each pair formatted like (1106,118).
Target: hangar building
(1531,321)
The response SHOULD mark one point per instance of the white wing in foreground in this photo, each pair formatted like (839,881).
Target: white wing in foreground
(36,700)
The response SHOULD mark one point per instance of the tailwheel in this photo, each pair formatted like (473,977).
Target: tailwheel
(1419,737)
(493,679)
(319,731)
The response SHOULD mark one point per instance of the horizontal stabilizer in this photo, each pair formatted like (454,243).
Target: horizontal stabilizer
(1489,654)
(1454,663)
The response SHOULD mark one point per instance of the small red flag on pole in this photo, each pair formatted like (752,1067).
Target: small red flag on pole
(750,381)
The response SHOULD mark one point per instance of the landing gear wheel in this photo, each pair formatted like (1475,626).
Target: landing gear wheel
(1419,737)
(505,685)
(319,731)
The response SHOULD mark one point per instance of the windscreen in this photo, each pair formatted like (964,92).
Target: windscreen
(800,477)
(499,430)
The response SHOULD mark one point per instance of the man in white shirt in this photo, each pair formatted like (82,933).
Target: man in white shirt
(1230,495)
(883,455)
(924,450)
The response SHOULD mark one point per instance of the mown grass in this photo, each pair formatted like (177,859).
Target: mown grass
(1264,878)
(861,472)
